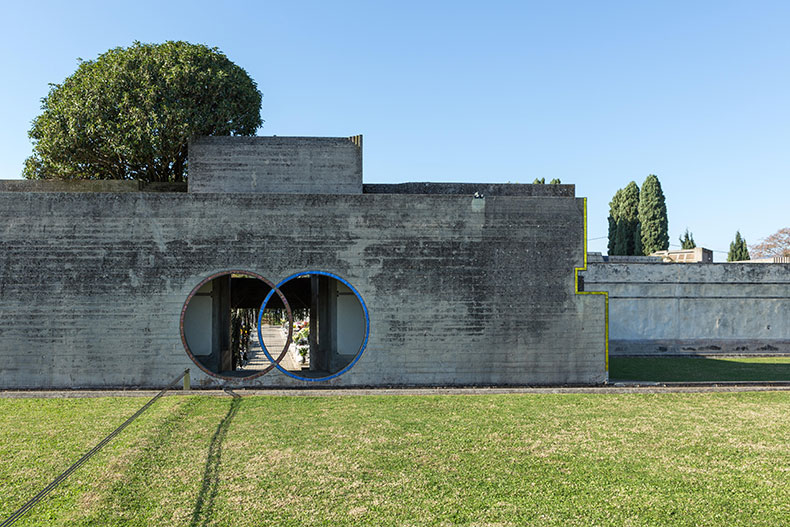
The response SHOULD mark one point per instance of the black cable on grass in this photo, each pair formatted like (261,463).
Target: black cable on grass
(49,488)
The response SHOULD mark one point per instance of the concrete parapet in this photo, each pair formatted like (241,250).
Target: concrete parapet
(77,185)
(87,185)
(484,189)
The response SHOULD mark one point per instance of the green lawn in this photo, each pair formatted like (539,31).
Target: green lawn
(493,460)
(687,369)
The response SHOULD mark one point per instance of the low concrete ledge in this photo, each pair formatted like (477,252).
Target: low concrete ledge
(77,185)
(486,189)
(87,185)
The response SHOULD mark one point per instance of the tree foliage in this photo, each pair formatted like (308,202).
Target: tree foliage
(542,181)
(687,241)
(738,250)
(638,219)
(130,113)
(777,244)
(653,220)
(614,214)
(623,221)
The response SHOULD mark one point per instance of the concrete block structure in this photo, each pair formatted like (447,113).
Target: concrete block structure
(438,284)
(694,309)
(695,255)
(276,165)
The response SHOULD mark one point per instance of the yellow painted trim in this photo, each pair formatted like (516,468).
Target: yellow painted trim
(604,293)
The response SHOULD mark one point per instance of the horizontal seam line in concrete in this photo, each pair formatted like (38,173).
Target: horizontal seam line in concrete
(700,297)
(619,387)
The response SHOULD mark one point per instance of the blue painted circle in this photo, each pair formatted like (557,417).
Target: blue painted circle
(361,349)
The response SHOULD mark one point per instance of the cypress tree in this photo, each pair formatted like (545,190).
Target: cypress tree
(638,240)
(541,181)
(653,216)
(627,221)
(687,241)
(738,250)
(555,181)
(614,213)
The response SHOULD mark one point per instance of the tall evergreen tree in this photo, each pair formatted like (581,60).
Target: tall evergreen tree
(638,239)
(653,216)
(687,241)
(738,250)
(627,221)
(614,213)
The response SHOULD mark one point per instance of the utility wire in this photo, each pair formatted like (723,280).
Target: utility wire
(49,488)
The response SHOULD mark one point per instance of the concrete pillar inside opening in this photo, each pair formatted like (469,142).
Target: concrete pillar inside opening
(221,356)
(315,355)
(327,315)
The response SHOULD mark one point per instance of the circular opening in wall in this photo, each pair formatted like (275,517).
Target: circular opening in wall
(330,325)
(219,325)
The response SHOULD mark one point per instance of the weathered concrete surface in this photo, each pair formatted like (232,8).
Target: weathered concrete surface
(87,185)
(283,165)
(460,291)
(486,189)
(695,308)
(55,185)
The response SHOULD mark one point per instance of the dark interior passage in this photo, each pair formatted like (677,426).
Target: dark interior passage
(220,325)
(329,325)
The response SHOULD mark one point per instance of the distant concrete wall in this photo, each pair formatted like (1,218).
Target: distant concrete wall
(695,308)
(460,291)
(283,165)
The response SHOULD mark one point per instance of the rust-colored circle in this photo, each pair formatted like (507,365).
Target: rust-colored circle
(251,275)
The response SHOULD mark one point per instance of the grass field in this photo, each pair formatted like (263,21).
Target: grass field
(683,369)
(493,460)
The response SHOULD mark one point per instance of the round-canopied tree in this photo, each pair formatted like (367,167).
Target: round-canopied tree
(130,113)
(777,244)
(653,220)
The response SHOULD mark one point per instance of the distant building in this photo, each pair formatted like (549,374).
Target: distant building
(772,259)
(695,255)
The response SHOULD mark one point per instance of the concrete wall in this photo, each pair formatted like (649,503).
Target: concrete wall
(460,291)
(695,308)
(87,185)
(349,321)
(287,165)
(468,189)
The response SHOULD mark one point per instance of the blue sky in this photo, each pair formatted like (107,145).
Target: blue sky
(594,93)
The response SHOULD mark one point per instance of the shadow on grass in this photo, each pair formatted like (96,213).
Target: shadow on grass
(686,369)
(210,484)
